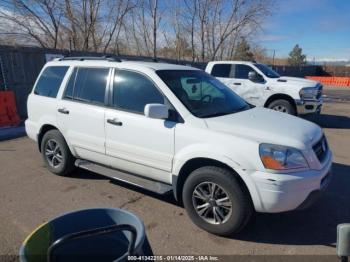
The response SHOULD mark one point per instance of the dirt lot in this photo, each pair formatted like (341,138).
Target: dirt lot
(30,195)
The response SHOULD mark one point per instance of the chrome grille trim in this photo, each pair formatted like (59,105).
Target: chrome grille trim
(321,149)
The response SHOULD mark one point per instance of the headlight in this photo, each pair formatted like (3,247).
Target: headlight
(281,157)
(308,93)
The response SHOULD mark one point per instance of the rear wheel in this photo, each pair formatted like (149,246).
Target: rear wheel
(215,201)
(283,106)
(56,153)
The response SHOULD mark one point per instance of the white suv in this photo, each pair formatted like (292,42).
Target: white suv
(167,127)
(259,85)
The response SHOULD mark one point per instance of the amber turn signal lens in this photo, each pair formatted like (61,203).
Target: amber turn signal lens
(271,163)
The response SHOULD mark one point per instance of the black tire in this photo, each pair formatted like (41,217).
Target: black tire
(242,208)
(66,166)
(282,105)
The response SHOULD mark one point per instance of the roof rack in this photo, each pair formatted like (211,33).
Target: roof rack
(140,59)
(83,58)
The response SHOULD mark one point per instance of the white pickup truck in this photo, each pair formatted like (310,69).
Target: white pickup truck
(261,86)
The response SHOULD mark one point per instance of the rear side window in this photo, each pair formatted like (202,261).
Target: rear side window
(133,91)
(221,70)
(50,81)
(87,85)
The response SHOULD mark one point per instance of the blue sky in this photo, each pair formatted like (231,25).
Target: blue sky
(320,27)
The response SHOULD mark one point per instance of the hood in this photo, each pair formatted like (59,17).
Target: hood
(298,81)
(268,126)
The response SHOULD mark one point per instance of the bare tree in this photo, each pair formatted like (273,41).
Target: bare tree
(182,29)
(242,16)
(191,18)
(133,31)
(40,19)
(80,23)
(71,25)
(118,11)
(203,9)
(154,11)
(141,28)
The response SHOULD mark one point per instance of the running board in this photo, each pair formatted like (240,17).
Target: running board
(151,185)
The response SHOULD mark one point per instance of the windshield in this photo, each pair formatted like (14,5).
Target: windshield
(267,71)
(203,95)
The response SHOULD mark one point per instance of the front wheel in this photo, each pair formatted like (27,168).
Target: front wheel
(283,106)
(56,153)
(215,201)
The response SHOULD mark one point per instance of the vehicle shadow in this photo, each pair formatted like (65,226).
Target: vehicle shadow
(314,226)
(167,197)
(330,121)
(85,174)
(80,173)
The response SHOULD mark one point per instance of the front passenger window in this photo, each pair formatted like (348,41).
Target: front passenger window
(133,91)
(242,71)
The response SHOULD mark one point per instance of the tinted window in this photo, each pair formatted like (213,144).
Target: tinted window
(196,90)
(50,81)
(203,95)
(88,85)
(221,70)
(132,91)
(241,71)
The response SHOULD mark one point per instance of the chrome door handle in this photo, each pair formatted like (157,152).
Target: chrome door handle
(63,111)
(114,122)
(237,84)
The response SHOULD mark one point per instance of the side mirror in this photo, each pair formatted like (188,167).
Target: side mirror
(157,111)
(255,77)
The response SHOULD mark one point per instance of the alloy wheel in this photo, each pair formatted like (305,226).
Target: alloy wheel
(280,108)
(53,153)
(212,203)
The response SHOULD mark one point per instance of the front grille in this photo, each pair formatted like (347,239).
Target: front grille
(321,148)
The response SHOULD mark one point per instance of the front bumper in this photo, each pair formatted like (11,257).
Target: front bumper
(316,194)
(308,106)
(284,192)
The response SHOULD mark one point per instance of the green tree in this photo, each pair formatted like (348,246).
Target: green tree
(243,51)
(296,56)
